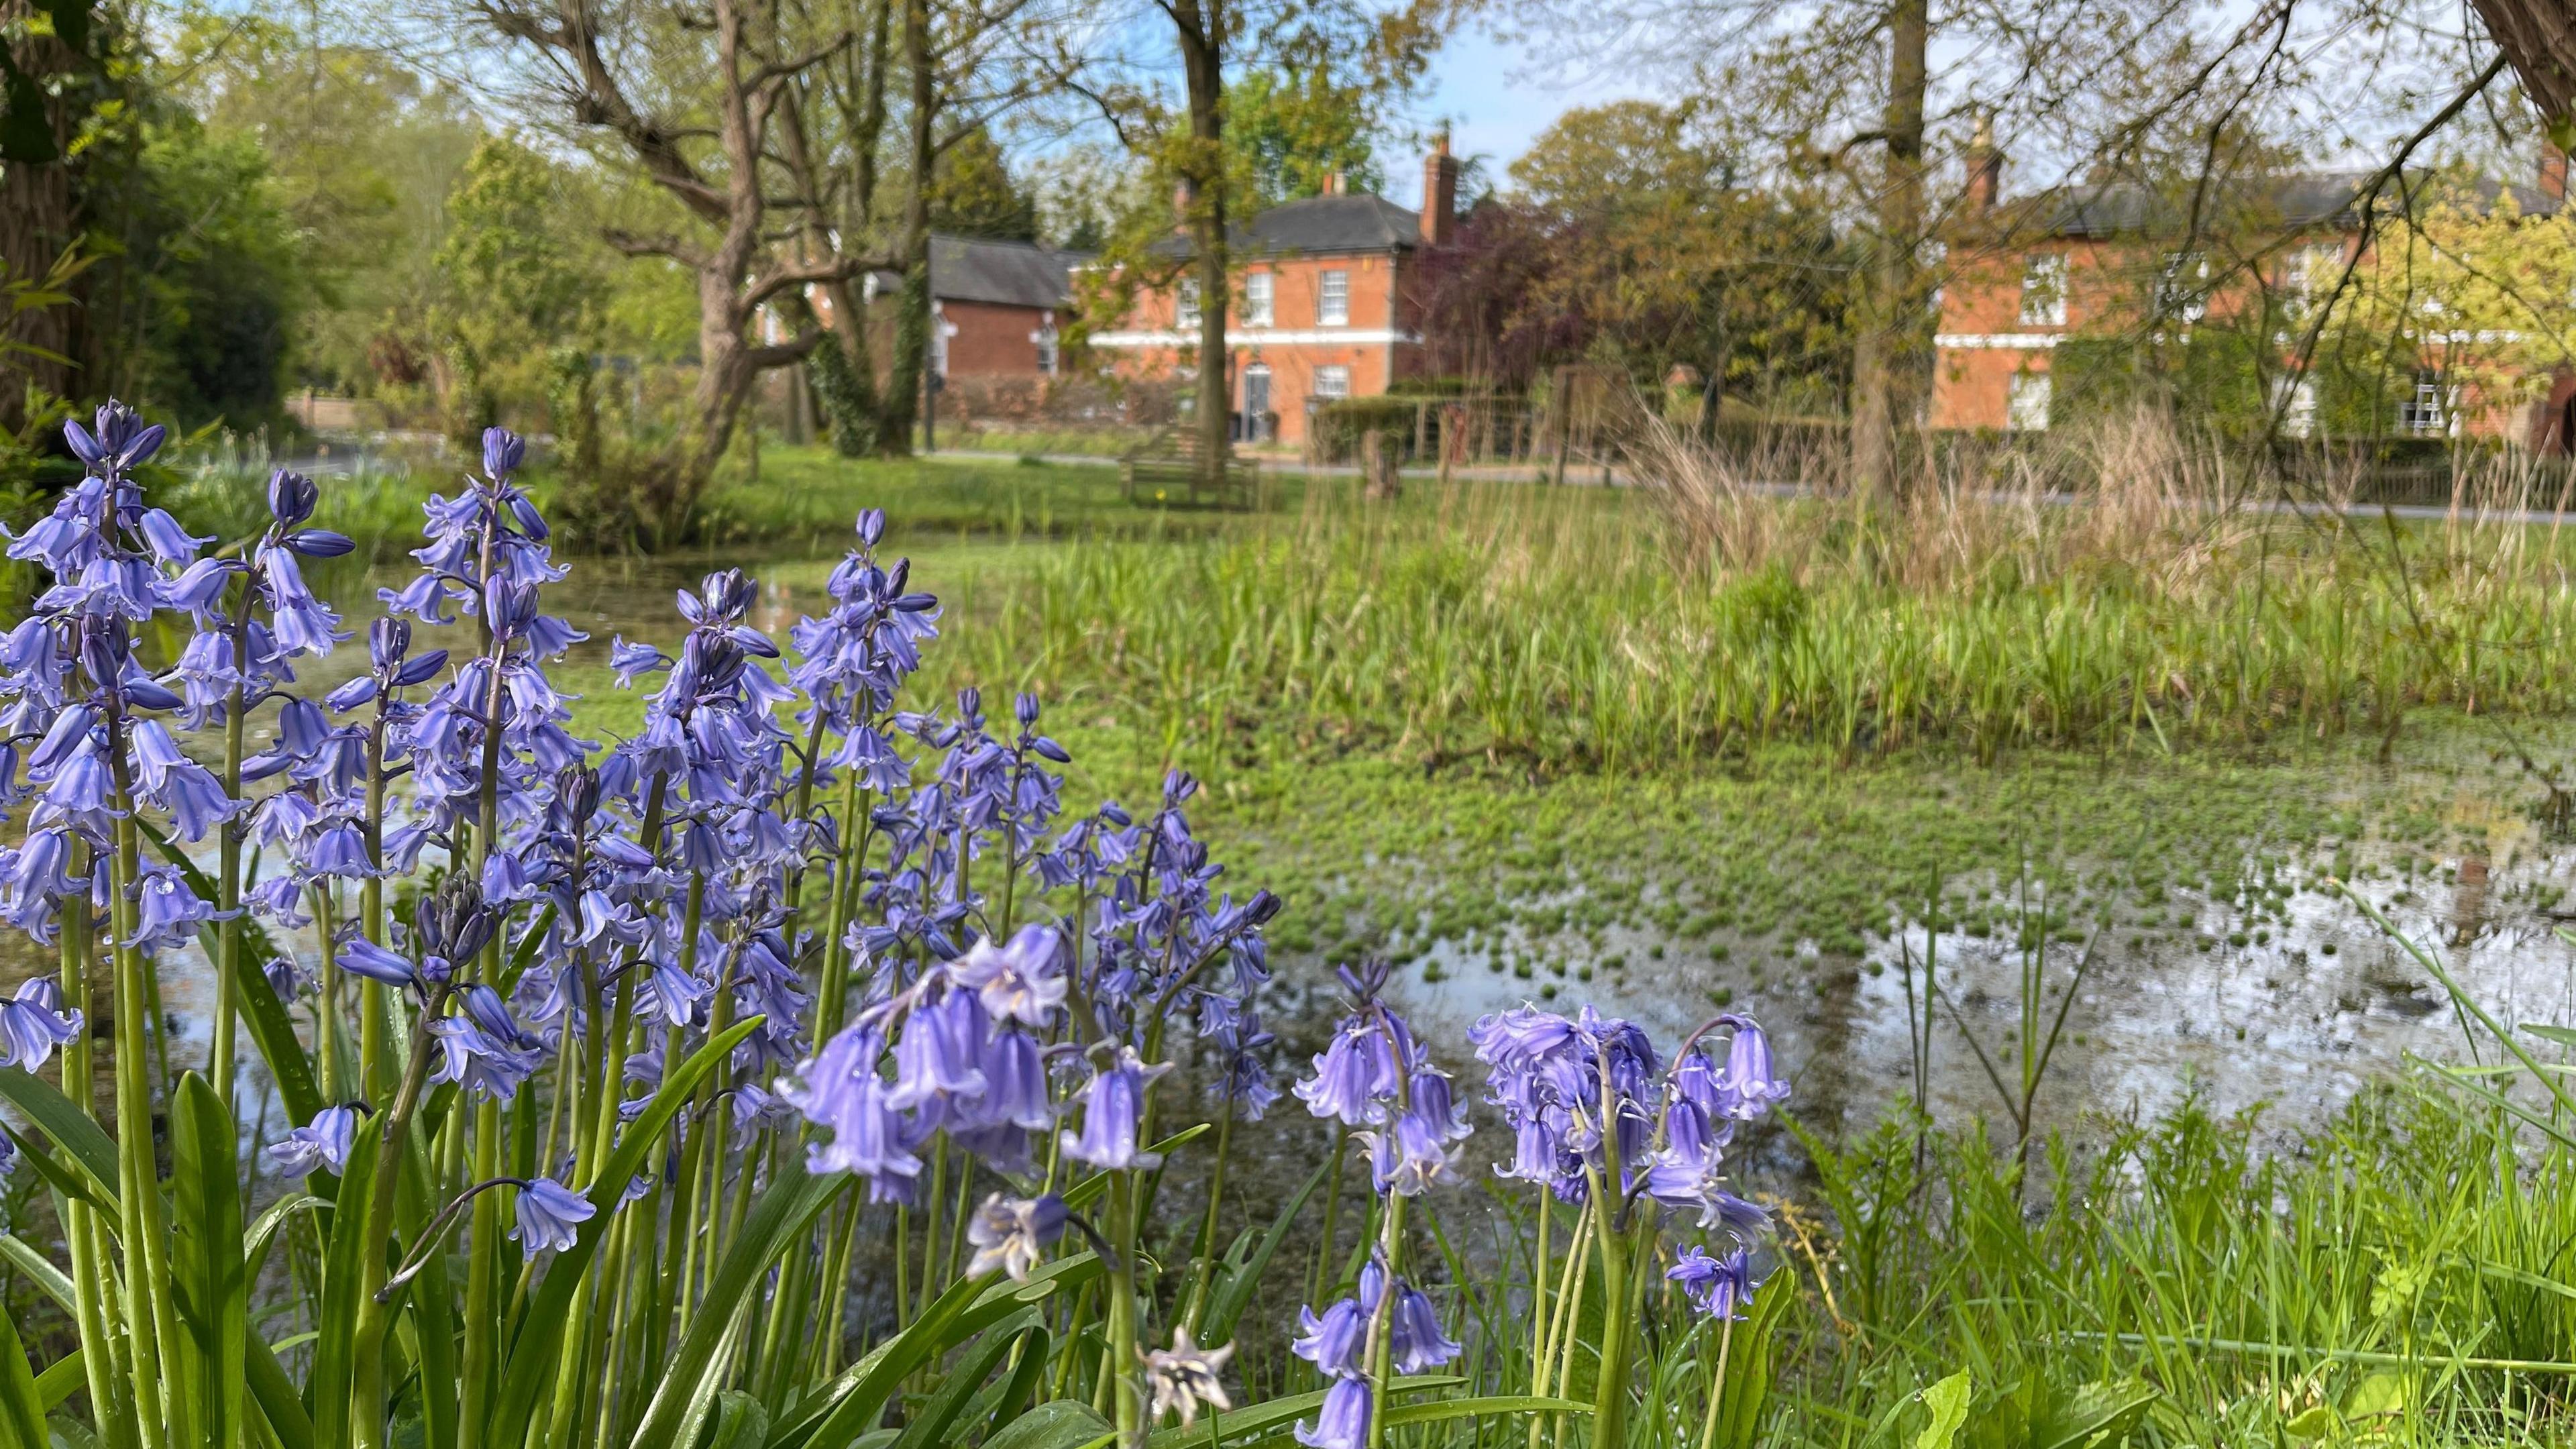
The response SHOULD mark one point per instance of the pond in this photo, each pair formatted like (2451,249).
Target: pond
(2240,975)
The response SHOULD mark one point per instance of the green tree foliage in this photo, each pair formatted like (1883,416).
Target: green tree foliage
(362,152)
(516,284)
(1632,240)
(973,192)
(1292,125)
(198,310)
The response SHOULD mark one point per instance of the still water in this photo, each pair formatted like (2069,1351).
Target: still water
(2295,1014)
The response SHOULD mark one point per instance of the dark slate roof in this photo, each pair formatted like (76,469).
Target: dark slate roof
(1014,274)
(1320,225)
(2293,201)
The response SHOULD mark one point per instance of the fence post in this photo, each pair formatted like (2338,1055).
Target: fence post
(1560,419)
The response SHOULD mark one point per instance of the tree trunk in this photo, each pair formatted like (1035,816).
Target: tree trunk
(39,220)
(2538,37)
(1203,61)
(899,406)
(1882,360)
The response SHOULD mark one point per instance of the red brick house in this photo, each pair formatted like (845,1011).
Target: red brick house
(995,305)
(2100,261)
(1318,311)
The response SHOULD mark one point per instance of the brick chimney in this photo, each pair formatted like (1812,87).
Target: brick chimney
(1183,193)
(1985,167)
(1439,193)
(2553,173)
(1332,183)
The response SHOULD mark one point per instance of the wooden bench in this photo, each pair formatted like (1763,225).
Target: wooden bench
(1164,470)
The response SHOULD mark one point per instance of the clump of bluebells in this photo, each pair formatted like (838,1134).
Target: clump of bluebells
(623,1077)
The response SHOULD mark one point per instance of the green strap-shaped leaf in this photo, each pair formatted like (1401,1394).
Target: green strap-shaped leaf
(777,1222)
(83,1141)
(56,1283)
(345,1261)
(533,1353)
(22,1409)
(854,1401)
(1272,1417)
(1056,1424)
(271,1218)
(267,1378)
(929,1428)
(526,954)
(1234,1294)
(742,1422)
(58,1382)
(206,1250)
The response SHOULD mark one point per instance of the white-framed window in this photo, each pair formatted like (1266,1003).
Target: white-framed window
(2311,270)
(2294,401)
(2427,410)
(2026,406)
(2182,287)
(1332,382)
(1045,339)
(2043,290)
(1185,310)
(1333,300)
(940,332)
(1257,291)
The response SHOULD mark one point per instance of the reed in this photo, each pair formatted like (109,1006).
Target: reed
(1629,628)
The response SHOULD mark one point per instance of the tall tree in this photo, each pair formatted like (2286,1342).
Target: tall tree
(1386,48)
(711,156)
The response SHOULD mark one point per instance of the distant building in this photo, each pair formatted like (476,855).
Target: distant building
(1320,312)
(995,306)
(2030,276)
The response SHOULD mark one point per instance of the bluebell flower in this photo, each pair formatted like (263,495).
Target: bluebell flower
(1343,1421)
(550,1217)
(477,1063)
(301,621)
(288,980)
(168,913)
(292,497)
(1112,1115)
(321,1145)
(841,1092)
(1011,1234)
(1750,1083)
(1718,1287)
(33,1023)
(1023,981)
(1184,1375)
(359,956)
(1335,1340)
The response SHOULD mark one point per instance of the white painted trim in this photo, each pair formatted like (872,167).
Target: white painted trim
(2026,341)
(1264,337)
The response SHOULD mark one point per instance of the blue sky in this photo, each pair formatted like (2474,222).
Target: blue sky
(1497,99)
